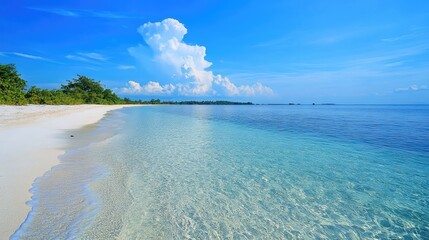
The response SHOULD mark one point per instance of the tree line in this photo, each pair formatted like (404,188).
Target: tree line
(80,90)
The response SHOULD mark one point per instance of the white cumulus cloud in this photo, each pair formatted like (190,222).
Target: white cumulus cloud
(151,88)
(256,89)
(167,53)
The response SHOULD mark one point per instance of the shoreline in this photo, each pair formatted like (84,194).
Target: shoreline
(32,138)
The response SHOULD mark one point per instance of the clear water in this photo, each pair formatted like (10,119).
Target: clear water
(241,172)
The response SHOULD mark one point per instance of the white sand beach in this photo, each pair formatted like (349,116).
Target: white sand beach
(29,146)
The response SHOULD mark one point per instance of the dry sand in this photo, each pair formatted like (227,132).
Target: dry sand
(30,146)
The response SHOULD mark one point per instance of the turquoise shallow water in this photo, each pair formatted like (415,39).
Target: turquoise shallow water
(241,172)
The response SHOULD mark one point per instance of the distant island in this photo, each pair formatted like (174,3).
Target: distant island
(80,90)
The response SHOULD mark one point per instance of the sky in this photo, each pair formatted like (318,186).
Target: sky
(351,52)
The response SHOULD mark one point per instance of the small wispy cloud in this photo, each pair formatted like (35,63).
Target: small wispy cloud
(335,37)
(57,11)
(394,56)
(413,87)
(90,57)
(95,56)
(414,34)
(394,39)
(78,58)
(125,67)
(82,13)
(316,37)
(103,14)
(24,55)
(393,64)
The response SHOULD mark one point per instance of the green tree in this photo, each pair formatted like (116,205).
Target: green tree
(155,101)
(80,90)
(89,91)
(111,97)
(36,95)
(12,86)
(84,88)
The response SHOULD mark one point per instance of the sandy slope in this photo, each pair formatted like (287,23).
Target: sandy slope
(30,144)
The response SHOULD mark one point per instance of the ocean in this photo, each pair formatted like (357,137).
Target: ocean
(240,172)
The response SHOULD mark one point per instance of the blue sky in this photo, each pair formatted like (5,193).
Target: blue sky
(262,51)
